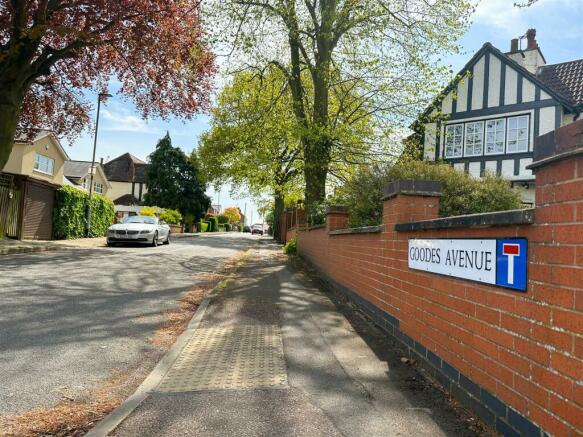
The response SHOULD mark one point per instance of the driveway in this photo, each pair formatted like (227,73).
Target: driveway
(69,319)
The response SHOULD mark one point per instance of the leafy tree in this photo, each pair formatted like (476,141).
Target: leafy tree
(253,141)
(150,211)
(172,181)
(52,50)
(223,219)
(171,216)
(380,56)
(233,215)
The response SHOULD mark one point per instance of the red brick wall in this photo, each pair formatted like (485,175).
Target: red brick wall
(525,348)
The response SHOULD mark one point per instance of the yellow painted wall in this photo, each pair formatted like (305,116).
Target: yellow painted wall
(21,160)
(119,189)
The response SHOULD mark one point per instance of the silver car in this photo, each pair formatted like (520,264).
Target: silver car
(139,229)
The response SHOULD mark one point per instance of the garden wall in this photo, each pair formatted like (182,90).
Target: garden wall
(515,358)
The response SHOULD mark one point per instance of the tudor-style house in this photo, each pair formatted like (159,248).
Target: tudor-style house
(487,119)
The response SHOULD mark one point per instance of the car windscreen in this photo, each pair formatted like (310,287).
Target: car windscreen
(141,219)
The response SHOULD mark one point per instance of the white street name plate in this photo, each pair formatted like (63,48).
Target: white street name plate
(502,262)
(467,259)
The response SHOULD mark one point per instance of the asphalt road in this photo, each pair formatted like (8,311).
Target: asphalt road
(70,318)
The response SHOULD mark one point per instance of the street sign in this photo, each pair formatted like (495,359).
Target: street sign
(501,262)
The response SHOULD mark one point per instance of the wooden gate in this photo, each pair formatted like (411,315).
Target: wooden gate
(10,206)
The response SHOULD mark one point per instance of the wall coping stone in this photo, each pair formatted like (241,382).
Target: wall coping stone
(313,228)
(362,230)
(499,218)
(555,158)
(412,187)
(337,209)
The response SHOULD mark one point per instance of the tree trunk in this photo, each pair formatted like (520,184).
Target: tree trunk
(10,104)
(277,212)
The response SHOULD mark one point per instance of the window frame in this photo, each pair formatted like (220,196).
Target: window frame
(495,120)
(466,125)
(37,164)
(95,185)
(517,129)
(445,146)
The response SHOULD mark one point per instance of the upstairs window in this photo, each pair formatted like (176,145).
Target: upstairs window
(517,134)
(495,136)
(454,139)
(84,183)
(98,188)
(474,138)
(44,164)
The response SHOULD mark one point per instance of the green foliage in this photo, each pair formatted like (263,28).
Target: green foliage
(291,247)
(223,218)
(151,211)
(171,216)
(214,224)
(204,226)
(461,193)
(173,181)
(227,227)
(232,214)
(69,214)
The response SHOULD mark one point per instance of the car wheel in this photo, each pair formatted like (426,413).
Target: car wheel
(167,241)
(155,240)
(110,244)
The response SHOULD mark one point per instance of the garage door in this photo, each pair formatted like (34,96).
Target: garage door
(38,212)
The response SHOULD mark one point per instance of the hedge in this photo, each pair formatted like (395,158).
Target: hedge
(214,224)
(171,216)
(69,214)
(204,226)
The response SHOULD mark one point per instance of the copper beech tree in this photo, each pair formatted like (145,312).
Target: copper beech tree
(53,50)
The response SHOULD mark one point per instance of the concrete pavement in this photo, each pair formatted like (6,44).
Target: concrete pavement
(339,383)
(71,318)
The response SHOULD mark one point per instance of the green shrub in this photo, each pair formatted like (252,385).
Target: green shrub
(461,193)
(227,227)
(171,216)
(203,226)
(223,219)
(291,247)
(214,224)
(69,214)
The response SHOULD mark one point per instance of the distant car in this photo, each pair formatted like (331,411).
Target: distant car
(257,230)
(139,229)
(246,229)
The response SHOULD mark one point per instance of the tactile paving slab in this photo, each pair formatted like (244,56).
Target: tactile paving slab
(229,358)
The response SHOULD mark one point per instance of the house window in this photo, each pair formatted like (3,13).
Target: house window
(84,183)
(44,164)
(97,187)
(474,138)
(517,134)
(454,135)
(495,133)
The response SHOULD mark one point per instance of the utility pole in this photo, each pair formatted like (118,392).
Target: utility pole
(100,96)
(245,214)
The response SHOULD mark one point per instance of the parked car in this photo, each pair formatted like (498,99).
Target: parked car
(246,229)
(139,229)
(257,229)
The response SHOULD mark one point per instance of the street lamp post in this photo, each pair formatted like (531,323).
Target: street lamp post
(100,96)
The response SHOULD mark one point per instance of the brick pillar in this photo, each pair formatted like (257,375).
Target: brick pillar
(336,218)
(558,167)
(410,200)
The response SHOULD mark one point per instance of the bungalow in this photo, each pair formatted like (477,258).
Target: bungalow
(488,117)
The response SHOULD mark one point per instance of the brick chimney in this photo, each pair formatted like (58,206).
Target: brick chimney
(530,58)
(531,43)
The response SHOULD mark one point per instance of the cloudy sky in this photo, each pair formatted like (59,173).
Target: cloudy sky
(559,34)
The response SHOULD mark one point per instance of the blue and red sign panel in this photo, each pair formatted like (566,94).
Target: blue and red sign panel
(511,263)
